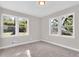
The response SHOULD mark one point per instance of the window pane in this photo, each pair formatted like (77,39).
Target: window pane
(22,25)
(8,25)
(67,25)
(54,26)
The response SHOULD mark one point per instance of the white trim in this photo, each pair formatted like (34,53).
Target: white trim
(64,46)
(59,26)
(16,26)
(50,26)
(14,45)
(65,15)
(2,29)
(27,29)
(17,44)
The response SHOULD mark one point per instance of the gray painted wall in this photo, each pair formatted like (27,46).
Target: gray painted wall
(34,30)
(39,29)
(70,42)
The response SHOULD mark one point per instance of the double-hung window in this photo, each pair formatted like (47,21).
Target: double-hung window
(62,26)
(23,26)
(13,26)
(8,25)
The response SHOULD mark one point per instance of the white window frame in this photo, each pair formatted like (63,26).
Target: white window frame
(16,26)
(2,29)
(50,27)
(27,32)
(59,26)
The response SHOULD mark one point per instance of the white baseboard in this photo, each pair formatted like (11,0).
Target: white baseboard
(74,49)
(17,44)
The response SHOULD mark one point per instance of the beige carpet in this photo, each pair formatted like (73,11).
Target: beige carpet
(38,49)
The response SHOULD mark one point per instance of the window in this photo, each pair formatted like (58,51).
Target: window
(67,25)
(63,25)
(54,26)
(8,25)
(14,26)
(23,26)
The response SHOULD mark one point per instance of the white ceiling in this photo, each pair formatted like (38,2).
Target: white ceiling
(33,8)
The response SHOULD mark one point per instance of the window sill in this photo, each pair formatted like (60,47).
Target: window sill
(17,35)
(64,36)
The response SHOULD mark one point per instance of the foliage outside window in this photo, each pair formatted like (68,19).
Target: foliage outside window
(54,26)
(8,25)
(22,26)
(67,25)
(63,24)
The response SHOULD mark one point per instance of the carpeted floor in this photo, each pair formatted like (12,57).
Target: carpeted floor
(38,49)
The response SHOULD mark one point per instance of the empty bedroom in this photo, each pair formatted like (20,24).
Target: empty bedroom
(39,28)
